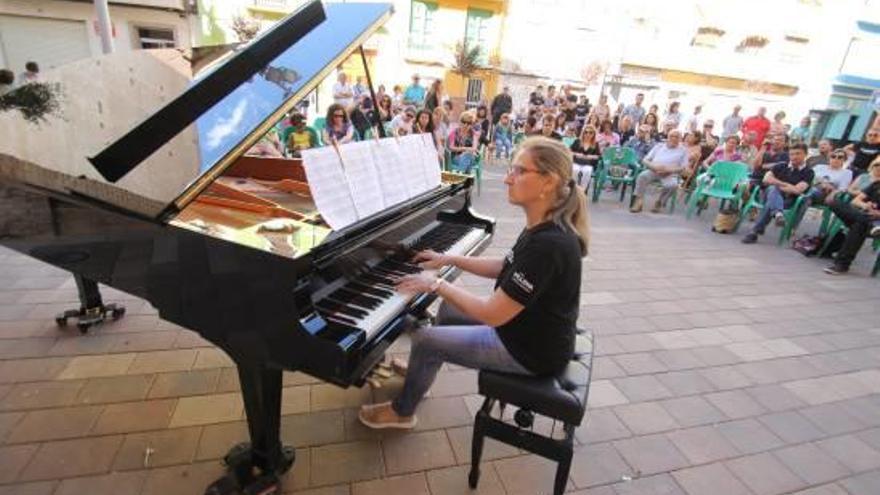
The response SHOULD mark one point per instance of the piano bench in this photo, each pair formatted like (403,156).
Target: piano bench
(562,398)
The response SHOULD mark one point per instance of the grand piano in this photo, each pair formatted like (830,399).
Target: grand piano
(232,246)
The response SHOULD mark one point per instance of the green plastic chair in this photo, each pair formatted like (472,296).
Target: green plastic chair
(616,158)
(476,169)
(726,181)
(319,125)
(792,215)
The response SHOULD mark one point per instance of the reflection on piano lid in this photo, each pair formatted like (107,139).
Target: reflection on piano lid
(224,113)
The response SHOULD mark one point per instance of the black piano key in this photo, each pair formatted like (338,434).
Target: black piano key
(353,297)
(338,318)
(368,289)
(334,306)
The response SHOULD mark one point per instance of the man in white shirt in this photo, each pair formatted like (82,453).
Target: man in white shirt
(402,123)
(342,92)
(664,164)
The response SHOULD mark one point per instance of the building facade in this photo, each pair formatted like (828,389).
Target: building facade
(56,32)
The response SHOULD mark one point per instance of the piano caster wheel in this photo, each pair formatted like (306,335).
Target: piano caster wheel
(87,318)
(240,454)
(267,484)
(474,478)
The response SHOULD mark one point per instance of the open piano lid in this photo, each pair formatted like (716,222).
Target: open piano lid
(235,103)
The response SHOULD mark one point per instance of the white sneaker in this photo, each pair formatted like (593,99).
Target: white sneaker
(779,218)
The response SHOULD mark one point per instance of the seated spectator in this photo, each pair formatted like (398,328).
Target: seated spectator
(617,116)
(31,73)
(784,183)
(560,123)
(396,98)
(530,126)
(448,107)
(668,126)
(664,164)
(651,121)
(710,141)
(581,110)
(747,148)
(337,130)
(824,155)
(7,81)
(503,137)
(363,117)
(694,152)
(775,155)
(548,128)
(801,133)
(268,146)
(778,125)
(607,137)
(434,96)
(586,154)
(864,152)
(343,94)
(602,111)
(831,178)
(626,129)
(386,113)
(298,136)
(673,115)
(729,152)
(642,142)
(424,122)
(360,88)
(441,125)
(402,123)
(862,216)
(462,144)
(483,125)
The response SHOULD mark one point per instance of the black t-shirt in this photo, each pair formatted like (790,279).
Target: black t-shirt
(792,176)
(873,192)
(770,157)
(581,110)
(578,147)
(543,273)
(569,114)
(536,100)
(865,154)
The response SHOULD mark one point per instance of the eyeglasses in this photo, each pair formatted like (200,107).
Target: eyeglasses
(339,115)
(839,156)
(409,116)
(519,170)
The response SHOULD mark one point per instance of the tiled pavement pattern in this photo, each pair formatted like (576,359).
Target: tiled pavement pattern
(721,369)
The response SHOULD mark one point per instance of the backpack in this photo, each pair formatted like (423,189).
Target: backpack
(725,221)
(808,245)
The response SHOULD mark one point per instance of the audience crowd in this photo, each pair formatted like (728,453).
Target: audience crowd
(672,147)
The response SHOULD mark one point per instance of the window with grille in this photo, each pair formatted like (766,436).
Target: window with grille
(474,91)
(421,25)
(752,45)
(476,32)
(708,37)
(155,37)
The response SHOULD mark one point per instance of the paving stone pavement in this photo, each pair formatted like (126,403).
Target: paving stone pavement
(720,369)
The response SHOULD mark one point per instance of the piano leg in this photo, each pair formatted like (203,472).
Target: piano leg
(255,467)
(92,310)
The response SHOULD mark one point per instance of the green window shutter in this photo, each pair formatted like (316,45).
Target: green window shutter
(837,125)
(866,116)
(476,32)
(421,25)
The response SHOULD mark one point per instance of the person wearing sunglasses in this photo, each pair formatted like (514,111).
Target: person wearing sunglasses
(830,178)
(586,154)
(337,129)
(864,152)
(526,325)
(463,142)
(298,136)
(402,123)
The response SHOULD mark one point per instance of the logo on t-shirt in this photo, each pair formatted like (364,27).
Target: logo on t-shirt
(520,280)
(509,256)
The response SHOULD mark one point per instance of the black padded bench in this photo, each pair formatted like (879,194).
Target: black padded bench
(562,398)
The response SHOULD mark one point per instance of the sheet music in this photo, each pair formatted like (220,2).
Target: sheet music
(430,161)
(398,182)
(363,178)
(329,186)
(411,155)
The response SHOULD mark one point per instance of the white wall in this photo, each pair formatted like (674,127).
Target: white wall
(125,20)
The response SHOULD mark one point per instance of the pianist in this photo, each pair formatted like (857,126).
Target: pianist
(527,325)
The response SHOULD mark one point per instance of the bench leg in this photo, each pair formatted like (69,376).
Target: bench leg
(562,469)
(477,442)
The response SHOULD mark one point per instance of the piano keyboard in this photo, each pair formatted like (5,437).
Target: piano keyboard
(369,301)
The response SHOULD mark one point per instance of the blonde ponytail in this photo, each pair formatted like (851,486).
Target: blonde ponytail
(570,208)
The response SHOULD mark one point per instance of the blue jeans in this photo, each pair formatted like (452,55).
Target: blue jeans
(503,143)
(774,202)
(463,162)
(473,346)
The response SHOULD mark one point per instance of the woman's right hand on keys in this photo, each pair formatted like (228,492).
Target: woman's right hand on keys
(430,259)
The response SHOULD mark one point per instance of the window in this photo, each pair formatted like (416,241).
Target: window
(474,92)
(421,25)
(708,37)
(476,32)
(155,38)
(794,48)
(752,45)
